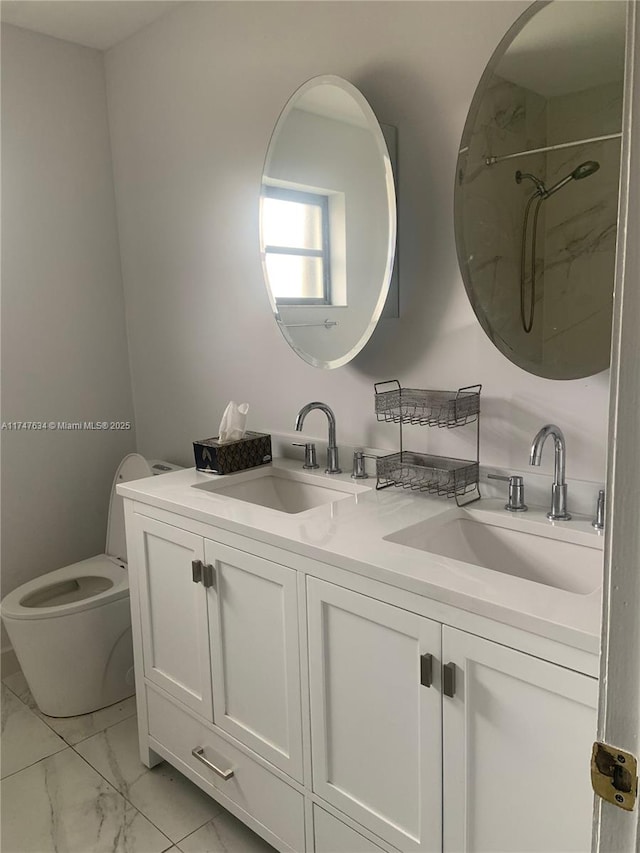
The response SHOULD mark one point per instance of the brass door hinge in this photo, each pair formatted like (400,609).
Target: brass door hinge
(614,775)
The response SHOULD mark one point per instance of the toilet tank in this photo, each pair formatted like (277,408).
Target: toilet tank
(133,467)
(159,466)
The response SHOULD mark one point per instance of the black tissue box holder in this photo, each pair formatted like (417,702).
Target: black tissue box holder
(215,457)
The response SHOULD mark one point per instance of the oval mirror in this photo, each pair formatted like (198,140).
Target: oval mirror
(536,193)
(327,221)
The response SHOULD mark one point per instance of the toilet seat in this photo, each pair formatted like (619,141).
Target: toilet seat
(108,571)
(71,627)
(102,568)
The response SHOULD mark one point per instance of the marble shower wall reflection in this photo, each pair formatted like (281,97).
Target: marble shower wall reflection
(575,255)
(580,232)
(510,118)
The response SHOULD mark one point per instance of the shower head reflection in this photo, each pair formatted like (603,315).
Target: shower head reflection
(580,172)
(584,170)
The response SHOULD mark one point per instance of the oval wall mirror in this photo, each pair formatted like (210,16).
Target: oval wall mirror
(536,193)
(327,221)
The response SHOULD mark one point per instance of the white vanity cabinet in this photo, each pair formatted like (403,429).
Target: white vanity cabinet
(500,740)
(221,636)
(336,714)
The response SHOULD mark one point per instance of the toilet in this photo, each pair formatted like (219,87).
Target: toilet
(71,628)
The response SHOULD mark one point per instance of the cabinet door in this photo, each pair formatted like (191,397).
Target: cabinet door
(517,745)
(253,620)
(376,731)
(173,610)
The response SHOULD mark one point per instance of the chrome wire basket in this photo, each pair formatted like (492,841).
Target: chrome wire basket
(423,472)
(427,408)
(438,475)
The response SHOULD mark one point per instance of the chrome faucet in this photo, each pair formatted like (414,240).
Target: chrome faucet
(558,511)
(333,466)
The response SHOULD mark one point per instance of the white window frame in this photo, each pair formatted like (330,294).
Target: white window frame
(322,202)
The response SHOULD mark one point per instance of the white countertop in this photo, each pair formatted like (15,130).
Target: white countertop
(350,534)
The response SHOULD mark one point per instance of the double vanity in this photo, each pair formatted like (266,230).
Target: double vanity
(347,669)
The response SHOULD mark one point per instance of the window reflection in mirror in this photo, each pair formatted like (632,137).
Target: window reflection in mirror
(296,234)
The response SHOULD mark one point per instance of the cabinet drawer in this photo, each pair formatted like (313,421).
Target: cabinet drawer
(254,789)
(331,835)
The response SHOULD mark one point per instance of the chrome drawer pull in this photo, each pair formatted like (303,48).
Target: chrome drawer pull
(198,753)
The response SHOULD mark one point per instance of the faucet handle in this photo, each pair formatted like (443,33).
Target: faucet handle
(598,521)
(516,491)
(359,471)
(310,458)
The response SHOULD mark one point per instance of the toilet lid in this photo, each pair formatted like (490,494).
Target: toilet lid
(87,584)
(133,467)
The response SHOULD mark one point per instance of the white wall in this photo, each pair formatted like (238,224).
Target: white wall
(64,348)
(192,102)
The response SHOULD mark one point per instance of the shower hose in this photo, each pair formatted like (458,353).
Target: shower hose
(527,324)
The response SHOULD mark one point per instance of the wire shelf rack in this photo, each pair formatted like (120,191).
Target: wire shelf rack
(423,472)
(438,475)
(427,408)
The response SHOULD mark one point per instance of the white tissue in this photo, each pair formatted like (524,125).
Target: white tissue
(232,425)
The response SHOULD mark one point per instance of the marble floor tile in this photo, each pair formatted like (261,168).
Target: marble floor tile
(73,729)
(224,834)
(170,800)
(61,804)
(25,738)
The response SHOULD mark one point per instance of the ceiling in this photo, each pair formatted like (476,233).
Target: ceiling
(568,47)
(93,23)
(330,101)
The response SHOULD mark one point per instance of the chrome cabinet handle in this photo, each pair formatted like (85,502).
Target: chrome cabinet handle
(449,680)
(208,575)
(426,670)
(198,752)
(203,573)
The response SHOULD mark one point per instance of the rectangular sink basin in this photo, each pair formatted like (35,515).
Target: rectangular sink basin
(519,550)
(283,490)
